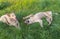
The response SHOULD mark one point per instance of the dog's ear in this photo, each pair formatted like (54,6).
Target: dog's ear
(28,16)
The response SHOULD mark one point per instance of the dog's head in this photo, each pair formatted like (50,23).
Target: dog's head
(29,19)
(13,20)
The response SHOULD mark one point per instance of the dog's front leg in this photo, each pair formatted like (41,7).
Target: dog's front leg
(41,23)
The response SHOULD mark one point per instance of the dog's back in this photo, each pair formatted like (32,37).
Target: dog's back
(43,14)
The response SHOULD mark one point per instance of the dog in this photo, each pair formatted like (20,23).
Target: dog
(38,18)
(10,19)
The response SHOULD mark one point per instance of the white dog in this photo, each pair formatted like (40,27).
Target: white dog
(38,18)
(10,19)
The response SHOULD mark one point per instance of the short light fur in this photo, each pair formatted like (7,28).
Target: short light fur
(10,19)
(38,18)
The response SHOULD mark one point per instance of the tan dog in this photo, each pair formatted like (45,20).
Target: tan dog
(38,18)
(10,19)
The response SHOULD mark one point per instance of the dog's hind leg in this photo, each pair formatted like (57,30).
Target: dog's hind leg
(49,20)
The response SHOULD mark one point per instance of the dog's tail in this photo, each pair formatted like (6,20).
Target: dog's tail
(51,13)
(56,13)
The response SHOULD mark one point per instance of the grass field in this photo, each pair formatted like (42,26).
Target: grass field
(34,31)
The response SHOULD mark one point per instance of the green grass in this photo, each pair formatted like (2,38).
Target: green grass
(33,31)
